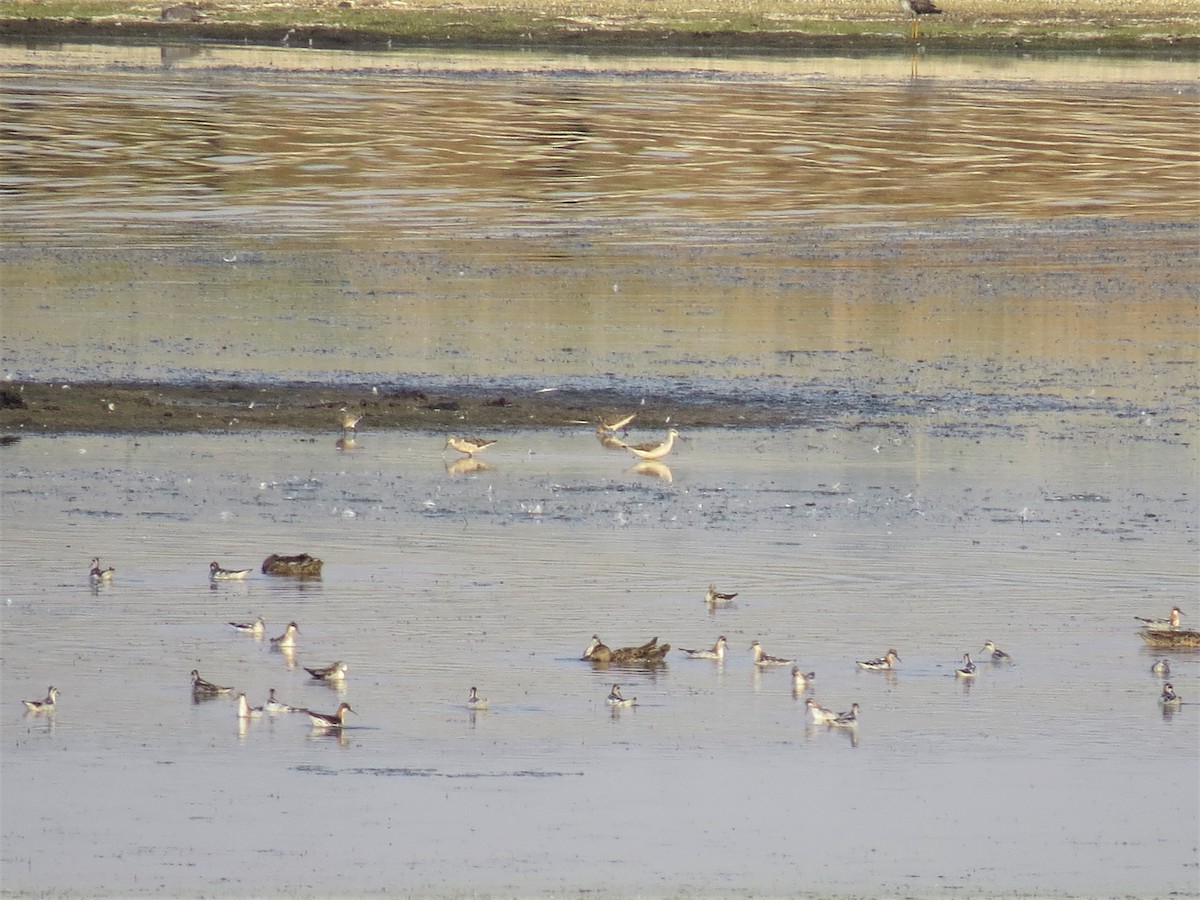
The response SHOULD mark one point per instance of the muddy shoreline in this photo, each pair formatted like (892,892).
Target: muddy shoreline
(109,407)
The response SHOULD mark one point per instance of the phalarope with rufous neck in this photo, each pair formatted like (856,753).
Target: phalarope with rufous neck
(468,445)
(1163,624)
(324,720)
(1169,697)
(288,638)
(764,659)
(475,701)
(882,664)
(246,711)
(1162,667)
(717,651)
(200,686)
(257,627)
(274,707)
(46,705)
(98,575)
(335,671)
(615,698)
(968,668)
(820,715)
(654,451)
(216,573)
(713,597)
(998,655)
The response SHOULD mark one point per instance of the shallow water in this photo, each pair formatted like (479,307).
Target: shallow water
(978,276)
(1031,779)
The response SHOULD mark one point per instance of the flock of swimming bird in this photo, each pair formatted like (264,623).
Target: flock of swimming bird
(305,566)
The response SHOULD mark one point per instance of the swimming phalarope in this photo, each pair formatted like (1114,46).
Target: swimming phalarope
(846,719)
(717,651)
(335,671)
(998,655)
(216,573)
(475,701)
(765,659)
(800,679)
(1162,667)
(1169,697)
(968,668)
(257,627)
(246,711)
(274,707)
(46,705)
(323,720)
(654,451)
(820,715)
(713,597)
(288,638)
(200,686)
(882,664)
(615,698)
(468,445)
(98,575)
(1163,624)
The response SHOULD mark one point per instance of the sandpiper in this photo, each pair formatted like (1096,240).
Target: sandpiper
(846,719)
(349,420)
(717,651)
(820,715)
(475,701)
(654,451)
(216,573)
(323,720)
(1169,697)
(335,671)
(288,638)
(882,664)
(968,668)
(917,8)
(615,698)
(713,597)
(200,686)
(998,655)
(245,710)
(274,707)
(98,575)
(800,679)
(1163,624)
(256,628)
(468,445)
(1162,667)
(764,659)
(46,705)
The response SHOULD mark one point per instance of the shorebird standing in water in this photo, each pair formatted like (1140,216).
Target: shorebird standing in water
(349,420)
(654,451)
(917,8)
(467,445)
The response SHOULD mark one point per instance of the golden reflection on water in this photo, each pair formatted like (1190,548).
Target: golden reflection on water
(371,158)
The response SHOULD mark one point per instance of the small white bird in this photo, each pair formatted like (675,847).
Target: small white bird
(1169,697)
(1162,667)
(882,664)
(847,719)
(475,701)
(715,598)
(274,707)
(615,698)
(968,668)
(800,679)
(246,711)
(820,715)
(256,628)
(717,652)
(216,573)
(765,659)
(47,705)
(288,638)
(998,655)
